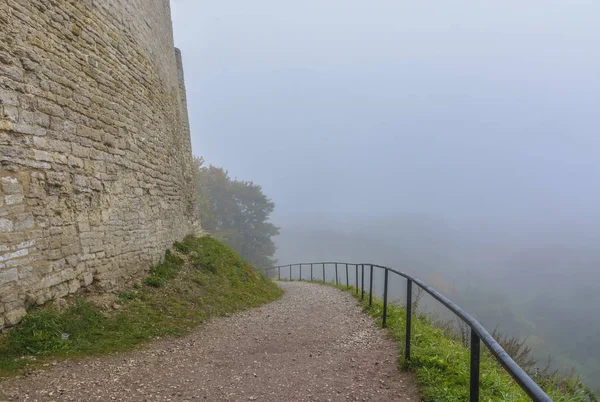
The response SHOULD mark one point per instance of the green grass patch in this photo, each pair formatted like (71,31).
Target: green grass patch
(441,363)
(176,297)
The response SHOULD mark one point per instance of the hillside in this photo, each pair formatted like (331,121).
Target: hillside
(204,279)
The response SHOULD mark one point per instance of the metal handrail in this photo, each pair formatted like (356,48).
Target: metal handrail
(478,332)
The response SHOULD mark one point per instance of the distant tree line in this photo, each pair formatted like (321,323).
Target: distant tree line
(237,212)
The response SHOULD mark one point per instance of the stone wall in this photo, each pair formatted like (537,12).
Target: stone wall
(96,172)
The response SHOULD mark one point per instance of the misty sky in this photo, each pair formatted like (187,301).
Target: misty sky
(467,111)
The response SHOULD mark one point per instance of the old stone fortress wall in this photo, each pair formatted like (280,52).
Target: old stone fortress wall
(96,175)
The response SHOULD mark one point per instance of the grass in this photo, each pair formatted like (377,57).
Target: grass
(177,296)
(441,363)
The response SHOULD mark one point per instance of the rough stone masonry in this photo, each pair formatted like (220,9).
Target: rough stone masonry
(96,174)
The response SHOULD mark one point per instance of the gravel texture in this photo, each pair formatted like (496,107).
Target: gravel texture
(314,344)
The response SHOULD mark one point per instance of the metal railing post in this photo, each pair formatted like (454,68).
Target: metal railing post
(290,272)
(336,274)
(408,318)
(385,291)
(279,273)
(356,277)
(347,280)
(300,271)
(475,355)
(311,272)
(323,272)
(371,287)
(362,282)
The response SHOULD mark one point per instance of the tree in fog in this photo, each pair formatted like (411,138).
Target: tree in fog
(237,212)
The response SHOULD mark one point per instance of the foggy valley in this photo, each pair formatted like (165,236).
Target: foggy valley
(541,287)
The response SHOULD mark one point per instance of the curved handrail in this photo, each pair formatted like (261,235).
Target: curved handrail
(478,332)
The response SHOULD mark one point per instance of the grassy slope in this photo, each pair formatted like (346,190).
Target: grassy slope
(176,297)
(441,364)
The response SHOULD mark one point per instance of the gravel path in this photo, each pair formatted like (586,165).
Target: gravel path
(314,344)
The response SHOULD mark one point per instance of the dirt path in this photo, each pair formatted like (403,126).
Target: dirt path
(312,345)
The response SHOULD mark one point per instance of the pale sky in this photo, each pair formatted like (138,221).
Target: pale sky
(358,109)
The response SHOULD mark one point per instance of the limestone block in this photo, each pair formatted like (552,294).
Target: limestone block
(70,249)
(25,272)
(10,113)
(13,317)
(42,156)
(21,128)
(26,244)
(13,199)
(12,188)
(24,221)
(43,297)
(88,278)
(6,226)
(51,280)
(50,108)
(7,276)
(67,274)
(9,295)
(8,97)
(60,290)
(73,260)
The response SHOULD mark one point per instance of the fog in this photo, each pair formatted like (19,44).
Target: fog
(455,141)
